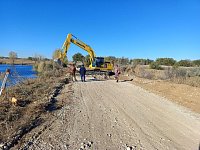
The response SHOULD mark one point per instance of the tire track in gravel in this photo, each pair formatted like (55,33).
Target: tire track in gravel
(114,115)
(133,123)
(144,120)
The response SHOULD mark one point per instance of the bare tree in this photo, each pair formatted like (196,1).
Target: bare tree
(12,56)
(38,58)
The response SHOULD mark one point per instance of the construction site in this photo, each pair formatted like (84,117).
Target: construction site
(99,75)
(107,106)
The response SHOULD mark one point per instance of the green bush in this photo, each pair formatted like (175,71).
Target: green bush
(30,58)
(141,61)
(185,63)
(155,65)
(78,57)
(196,62)
(166,61)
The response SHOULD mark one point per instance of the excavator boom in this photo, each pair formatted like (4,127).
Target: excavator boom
(72,39)
(97,63)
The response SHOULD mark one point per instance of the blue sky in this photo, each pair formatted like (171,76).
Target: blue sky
(128,28)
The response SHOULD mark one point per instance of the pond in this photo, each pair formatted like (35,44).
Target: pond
(18,73)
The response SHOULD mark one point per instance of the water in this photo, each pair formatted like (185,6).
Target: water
(18,73)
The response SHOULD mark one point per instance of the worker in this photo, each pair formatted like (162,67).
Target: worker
(82,73)
(117,72)
(73,72)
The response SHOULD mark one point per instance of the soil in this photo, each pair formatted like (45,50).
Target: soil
(185,95)
(108,115)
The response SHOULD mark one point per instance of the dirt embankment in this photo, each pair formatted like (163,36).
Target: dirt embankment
(35,98)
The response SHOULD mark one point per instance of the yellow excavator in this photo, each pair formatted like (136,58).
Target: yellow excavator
(96,63)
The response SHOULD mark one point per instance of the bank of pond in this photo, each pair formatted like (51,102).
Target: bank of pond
(17,73)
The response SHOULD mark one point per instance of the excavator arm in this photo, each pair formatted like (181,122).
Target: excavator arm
(96,63)
(72,39)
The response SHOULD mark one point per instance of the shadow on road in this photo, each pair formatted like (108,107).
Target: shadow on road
(126,80)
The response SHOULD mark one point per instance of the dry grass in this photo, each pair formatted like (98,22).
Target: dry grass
(182,75)
(32,100)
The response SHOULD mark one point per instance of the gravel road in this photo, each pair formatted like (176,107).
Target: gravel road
(106,115)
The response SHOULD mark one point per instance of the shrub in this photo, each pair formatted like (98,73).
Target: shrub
(196,62)
(56,65)
(141,61)
(179,73)
(166,61)
(78,57)
(184,63)
(48,67)
(155,65)
(30,58)
(41,67)
(35,67)
(130,69)
(192,72)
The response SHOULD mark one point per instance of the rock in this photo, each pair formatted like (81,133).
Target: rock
(1,145)
(82,144)
(86,145)
(5,147)
(89,144)
(82,147)
(129,148)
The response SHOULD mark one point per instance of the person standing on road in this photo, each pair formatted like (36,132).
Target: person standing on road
(73,72)
(82,73)
(117,72)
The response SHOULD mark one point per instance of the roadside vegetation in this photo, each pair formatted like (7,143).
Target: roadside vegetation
(169,69)
(34,98)
(180,75)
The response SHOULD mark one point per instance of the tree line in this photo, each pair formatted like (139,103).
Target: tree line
(12,56)
(154,64)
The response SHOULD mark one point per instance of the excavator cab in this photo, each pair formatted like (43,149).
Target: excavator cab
(98,62)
